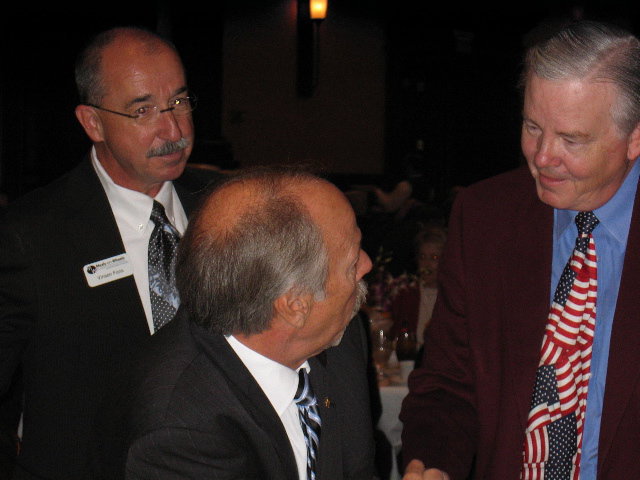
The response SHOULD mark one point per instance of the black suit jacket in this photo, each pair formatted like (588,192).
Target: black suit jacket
(68,338)
(198,413)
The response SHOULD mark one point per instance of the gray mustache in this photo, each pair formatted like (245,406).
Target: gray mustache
(361,295)
(168,148)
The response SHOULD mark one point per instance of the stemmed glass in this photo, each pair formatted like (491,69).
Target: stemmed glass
(406,345)
(406,351)
(381,349)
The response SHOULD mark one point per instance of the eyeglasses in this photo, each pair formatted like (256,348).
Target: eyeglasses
(149,113)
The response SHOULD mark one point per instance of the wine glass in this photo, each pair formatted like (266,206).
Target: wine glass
(406,345)
(406,351)
(379,320)
(381,349)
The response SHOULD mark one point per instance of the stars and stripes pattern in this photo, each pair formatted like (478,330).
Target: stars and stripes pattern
(553,442)
(309,419)
(163,245)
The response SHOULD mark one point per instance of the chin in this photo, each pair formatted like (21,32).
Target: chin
(174,171)
(337,340)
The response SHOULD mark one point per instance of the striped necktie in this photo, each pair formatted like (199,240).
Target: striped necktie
(309,420)
(162,261)
(553,443)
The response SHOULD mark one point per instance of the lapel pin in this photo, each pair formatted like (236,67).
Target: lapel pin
(327,402)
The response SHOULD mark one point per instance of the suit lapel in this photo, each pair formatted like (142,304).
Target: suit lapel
(249,395)
(94,235)
(187,198)
(320,380)
(90,221)
(191,185)
(527,269)
(623,371)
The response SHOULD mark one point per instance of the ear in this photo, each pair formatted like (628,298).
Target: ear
(293,308)
(91,122)
(633,148)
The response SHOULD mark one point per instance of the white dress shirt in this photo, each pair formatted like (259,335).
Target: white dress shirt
(132,211)
(279,384)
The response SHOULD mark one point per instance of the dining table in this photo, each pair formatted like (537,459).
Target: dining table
(393,388)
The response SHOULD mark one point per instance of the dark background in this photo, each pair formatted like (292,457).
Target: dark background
(40,136)
(451,74)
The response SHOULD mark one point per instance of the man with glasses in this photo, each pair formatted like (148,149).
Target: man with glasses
(86,262)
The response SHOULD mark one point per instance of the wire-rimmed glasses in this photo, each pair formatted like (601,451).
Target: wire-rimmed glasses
(145,114)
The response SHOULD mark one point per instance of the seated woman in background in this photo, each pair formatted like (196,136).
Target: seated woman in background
(411,308)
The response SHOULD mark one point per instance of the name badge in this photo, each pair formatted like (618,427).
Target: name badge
(107,270)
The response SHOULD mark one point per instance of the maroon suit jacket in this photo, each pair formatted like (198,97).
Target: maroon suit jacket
(468,405)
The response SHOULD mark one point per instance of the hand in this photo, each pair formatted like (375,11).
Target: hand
(415,471)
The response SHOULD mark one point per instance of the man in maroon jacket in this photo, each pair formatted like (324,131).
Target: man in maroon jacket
(466,415)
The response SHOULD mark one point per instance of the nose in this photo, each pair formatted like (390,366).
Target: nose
(545,152)
(364,264)
(169,125)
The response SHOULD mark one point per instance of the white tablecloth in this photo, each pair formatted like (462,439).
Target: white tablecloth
(389,423)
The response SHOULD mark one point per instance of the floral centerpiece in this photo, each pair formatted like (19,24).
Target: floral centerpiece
(383,286)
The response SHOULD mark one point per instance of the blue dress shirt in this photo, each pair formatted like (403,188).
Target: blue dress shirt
(610,238)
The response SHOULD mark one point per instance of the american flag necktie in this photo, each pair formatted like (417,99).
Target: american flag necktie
(553,442)
(309,420)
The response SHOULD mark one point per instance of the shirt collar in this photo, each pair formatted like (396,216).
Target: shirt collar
(615,215)
(278,382)
(136,204)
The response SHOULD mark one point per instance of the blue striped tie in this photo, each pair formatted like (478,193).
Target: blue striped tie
(309,419)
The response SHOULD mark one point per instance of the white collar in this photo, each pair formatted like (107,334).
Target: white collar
(137,205)
(278,382)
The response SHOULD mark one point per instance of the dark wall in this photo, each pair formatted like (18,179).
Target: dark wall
(450,82)
(40,137)
(453,70)
(39,133)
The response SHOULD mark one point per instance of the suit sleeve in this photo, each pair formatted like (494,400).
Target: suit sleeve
(16,315)
(16,318)
(440,425)
(175,453)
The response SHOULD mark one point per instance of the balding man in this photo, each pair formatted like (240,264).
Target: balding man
(270,276)
(80,287)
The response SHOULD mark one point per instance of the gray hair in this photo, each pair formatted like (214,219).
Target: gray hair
(596,52)
(430,233)
(88,66)
(229,277)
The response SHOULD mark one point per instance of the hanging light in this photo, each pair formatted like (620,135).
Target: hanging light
(318,9)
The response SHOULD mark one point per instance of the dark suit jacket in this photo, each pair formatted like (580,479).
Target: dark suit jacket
(68,338)
(472,398)
(198,413)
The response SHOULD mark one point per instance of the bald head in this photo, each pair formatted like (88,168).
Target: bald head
(254,239)
(123,40)
(241,196)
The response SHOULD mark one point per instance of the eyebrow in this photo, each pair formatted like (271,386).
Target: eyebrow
(146,98)
(578,135)
(575,135)
(359,247)
(359,241)
(136,100)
